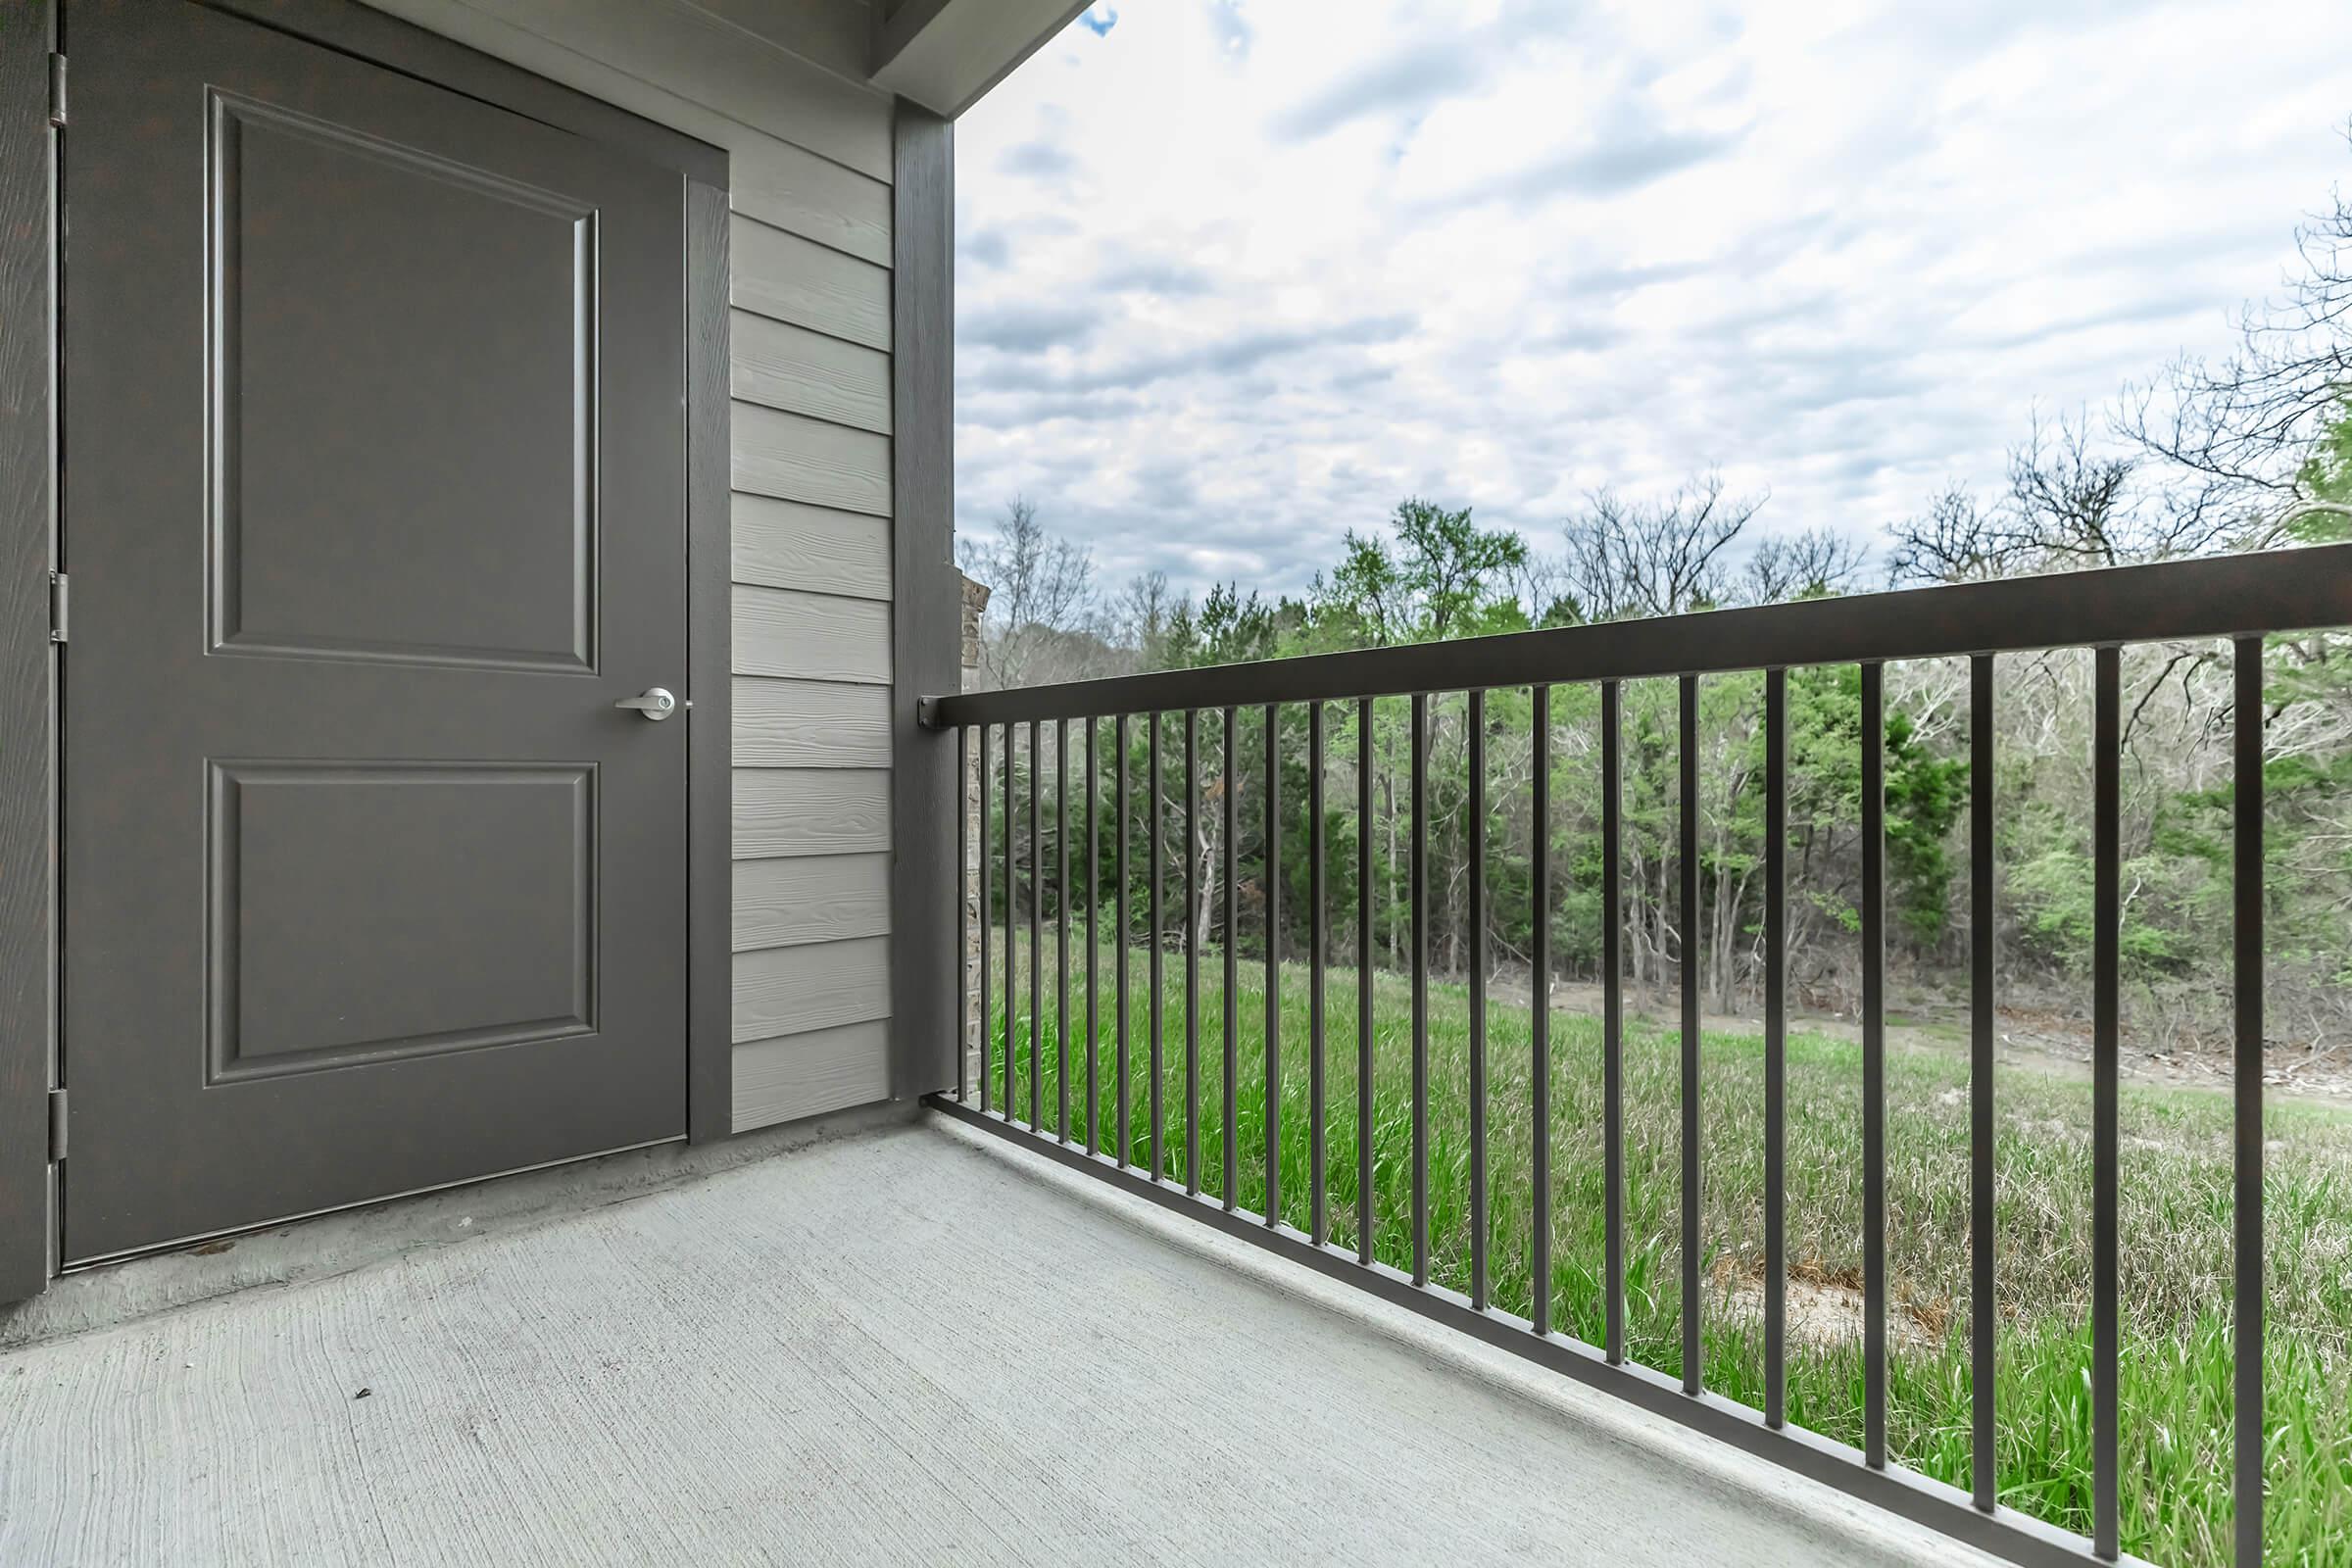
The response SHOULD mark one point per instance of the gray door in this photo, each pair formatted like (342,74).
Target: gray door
(373,508)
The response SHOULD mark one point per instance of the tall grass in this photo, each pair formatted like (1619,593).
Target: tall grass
(2177,1238)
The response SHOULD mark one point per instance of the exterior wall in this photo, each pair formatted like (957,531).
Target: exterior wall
(811,152)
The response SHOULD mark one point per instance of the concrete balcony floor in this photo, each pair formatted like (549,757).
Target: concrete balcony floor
(910,1345)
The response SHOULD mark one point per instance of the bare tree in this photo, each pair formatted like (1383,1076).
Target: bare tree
(1632,558)
(1139,617)
(2068,504)
(1953,541)
(2242,428)
(1801,566)
(1042,595)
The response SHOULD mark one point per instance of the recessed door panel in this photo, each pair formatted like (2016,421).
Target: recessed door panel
(477,879)
(375,509)
(407,343)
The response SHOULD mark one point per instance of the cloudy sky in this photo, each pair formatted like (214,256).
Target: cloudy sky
(1234,276)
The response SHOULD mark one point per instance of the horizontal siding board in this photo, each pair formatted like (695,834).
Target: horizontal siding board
(791,279)
(796,191)
(810,636)
(810,1074)
(794,458)
(790,991)
(792,812)
(821,897)
(779,366)
(837,34)
(672,63)
(788,544)
(807,724)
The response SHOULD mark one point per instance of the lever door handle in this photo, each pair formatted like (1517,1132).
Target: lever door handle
(656,704)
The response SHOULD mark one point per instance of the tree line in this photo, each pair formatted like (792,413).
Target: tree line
(2250,452)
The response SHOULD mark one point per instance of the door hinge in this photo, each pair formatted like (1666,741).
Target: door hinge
(57,89)
(57,1124)
(57,607)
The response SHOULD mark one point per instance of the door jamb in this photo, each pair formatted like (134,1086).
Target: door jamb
(29,414)
(710,618)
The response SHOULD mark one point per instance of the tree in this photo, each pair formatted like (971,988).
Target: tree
(1041,597)
(1664,558)
(2068,504)
(1445,577)
(2243,431)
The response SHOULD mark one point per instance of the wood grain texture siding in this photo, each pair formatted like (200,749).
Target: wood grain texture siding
(675,63)
(794,458)
(788,544)
(791,280)
(816,897)
(810,636)
(804,724)
(837,34)
(803,194)
(810,1074)
(779,366)
(787,991)
(788,811)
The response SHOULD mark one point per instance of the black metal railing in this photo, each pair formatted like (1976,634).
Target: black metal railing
(2240,599)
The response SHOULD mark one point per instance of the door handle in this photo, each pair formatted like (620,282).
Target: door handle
(656,704)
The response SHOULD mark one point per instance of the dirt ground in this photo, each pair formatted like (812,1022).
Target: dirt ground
(2028,1036)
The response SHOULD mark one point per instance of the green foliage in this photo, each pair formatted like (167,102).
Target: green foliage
(2326,475)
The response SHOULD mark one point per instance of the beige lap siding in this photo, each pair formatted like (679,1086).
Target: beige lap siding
(810,165)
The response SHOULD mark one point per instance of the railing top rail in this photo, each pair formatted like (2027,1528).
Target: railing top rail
(2224,596)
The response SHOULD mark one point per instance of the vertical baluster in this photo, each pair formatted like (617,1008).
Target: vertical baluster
(1231,1144)
(1874,1065)
(988,914)
(1318,939)
(1191,883)
(1062,927)
(1693,1368)
(1612,1022)
(2247,981)
(1418,855)
(1980,957)
(1273,1209)
(1094,937)
(963,909)
(2106,1134)
(1540,999)
(1776,1045)
(1363,980)
(1123,1101)
(1474,718)
(1012,946)
(1157,1062)
(1037,929)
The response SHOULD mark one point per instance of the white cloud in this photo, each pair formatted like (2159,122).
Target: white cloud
(1233,278)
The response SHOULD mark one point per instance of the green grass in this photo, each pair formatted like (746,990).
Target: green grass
(2177,1209)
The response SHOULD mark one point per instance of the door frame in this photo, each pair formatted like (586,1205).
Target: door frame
(34,151)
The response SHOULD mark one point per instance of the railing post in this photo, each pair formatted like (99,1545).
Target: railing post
(926,1037)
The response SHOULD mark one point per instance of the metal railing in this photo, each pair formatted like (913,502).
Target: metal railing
(2239,597)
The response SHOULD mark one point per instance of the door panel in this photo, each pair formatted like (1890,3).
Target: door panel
(452,438)
(375,507)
